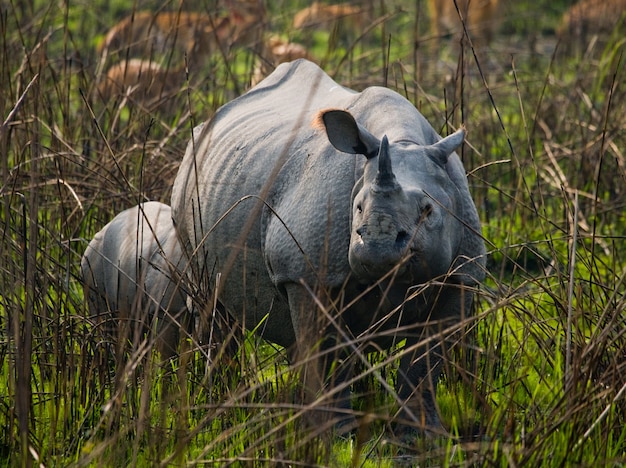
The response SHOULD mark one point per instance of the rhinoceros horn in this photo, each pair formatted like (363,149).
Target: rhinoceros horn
(385,178)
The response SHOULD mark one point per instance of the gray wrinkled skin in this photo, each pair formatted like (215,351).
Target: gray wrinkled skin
(129,272)
(268,197)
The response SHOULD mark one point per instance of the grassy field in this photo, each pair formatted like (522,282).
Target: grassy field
(540,376)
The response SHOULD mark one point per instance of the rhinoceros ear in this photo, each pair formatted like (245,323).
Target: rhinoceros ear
(346,135)
(440,151)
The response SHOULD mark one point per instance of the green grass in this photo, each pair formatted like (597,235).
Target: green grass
(536,380)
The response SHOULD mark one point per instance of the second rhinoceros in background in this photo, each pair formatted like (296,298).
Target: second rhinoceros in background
(318,247)
(132,271)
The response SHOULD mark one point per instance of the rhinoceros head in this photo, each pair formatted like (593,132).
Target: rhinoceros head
(405,208)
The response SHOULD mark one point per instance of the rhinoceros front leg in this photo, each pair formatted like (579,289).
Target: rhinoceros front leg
(418,375)
(325,370)
(420,366)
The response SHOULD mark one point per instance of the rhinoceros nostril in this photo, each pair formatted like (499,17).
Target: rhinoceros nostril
(360,231)
(402,237)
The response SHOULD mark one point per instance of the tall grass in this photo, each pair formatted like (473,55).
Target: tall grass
(538,378)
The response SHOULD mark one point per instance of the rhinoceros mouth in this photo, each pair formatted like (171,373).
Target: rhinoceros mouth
(408,266)
(368,272)
(375,261)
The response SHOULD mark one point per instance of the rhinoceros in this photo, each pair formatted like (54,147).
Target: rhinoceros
(328,219)
(131,271)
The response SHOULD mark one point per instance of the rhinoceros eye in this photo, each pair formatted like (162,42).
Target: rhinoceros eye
(359,209)
(427,211)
